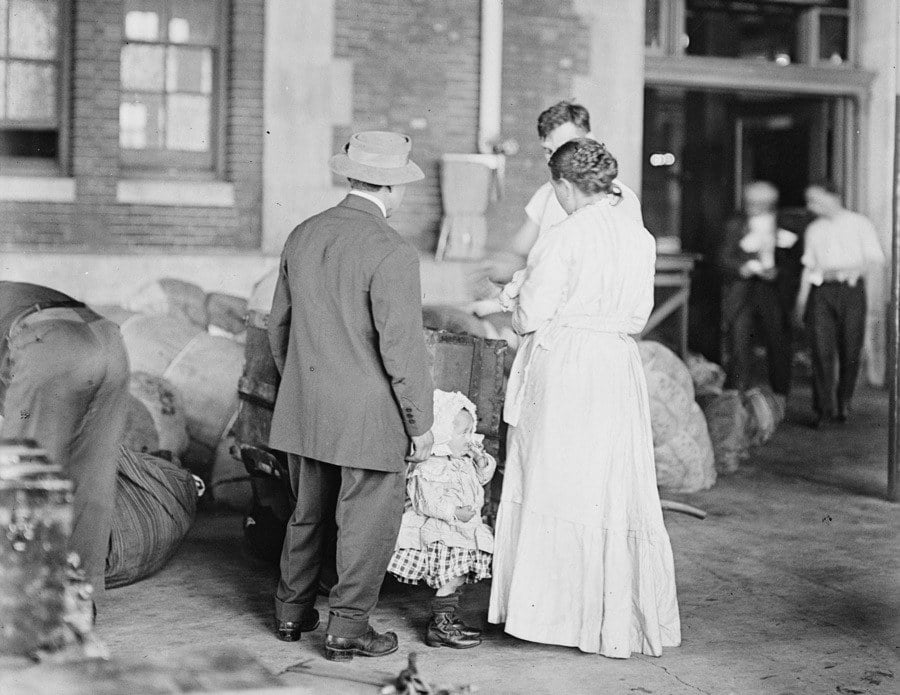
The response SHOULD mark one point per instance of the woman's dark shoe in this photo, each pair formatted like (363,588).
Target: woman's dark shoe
(370,644)
(443,633)
(289,630)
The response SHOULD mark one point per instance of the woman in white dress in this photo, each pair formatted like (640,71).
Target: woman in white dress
(582,557)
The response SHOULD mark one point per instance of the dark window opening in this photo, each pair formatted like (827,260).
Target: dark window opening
(40,144)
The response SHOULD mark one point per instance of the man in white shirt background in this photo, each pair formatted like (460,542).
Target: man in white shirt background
(841,247)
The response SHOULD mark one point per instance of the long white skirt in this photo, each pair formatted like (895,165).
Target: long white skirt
(582,557)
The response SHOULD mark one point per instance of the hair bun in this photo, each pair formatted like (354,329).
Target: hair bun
(587,164)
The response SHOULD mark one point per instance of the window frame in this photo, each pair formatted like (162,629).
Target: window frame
(672,18)
(61,164)
(181,164)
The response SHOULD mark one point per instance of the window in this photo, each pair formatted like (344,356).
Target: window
(654,26)
(754,31)
(801,31)
(171,72)
(33,88)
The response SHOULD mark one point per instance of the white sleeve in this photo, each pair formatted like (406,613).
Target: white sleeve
(872,251)
(535,207)
(630,203)
(545,282)
(809,248)
(644,307)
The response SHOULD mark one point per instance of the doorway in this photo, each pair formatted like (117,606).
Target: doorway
(702,146)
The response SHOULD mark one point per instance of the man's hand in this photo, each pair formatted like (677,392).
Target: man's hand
(421,447)
(464,514)
(746,270)
(499,268)
(480,284)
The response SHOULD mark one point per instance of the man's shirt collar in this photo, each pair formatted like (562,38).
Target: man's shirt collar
(373,198)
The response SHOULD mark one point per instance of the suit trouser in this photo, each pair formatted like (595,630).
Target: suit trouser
(836,321)
(762,310)
(66,377)
(367,507)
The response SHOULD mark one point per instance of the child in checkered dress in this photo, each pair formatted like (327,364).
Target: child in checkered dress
(442,539)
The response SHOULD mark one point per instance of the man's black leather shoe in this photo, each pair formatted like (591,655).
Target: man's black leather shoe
(289,631)
(370,644)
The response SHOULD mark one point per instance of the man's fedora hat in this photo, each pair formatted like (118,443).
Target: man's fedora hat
(377,157)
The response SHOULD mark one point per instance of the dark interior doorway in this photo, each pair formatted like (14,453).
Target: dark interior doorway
(701,147)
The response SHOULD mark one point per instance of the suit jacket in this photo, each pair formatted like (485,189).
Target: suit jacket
(346,334)
(735,289)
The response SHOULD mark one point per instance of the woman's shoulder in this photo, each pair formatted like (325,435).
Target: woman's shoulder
(606,212)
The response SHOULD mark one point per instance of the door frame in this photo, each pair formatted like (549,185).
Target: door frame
(853,85)
(843,148)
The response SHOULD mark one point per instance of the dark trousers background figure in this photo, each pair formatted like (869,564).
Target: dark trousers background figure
(367,507)
(836,321)
(761,318)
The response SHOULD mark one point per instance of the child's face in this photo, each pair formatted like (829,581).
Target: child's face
(463,428)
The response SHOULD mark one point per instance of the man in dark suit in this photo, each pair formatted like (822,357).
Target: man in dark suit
(356,394)
(761,265)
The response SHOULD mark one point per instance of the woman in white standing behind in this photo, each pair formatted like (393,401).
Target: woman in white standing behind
(582,557)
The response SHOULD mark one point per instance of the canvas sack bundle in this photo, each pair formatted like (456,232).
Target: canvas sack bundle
(156,500)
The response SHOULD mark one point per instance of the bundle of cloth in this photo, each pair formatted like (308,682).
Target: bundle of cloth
(681,445)
(156,501)
(216,312)
(737,420)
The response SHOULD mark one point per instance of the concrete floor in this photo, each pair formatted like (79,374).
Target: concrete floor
(791,585)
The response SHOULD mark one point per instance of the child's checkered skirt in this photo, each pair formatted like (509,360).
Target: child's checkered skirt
(438,564)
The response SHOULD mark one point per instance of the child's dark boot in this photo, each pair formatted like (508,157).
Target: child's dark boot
(445,629)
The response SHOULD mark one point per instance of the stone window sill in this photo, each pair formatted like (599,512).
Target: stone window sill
(37,189)
(207,194)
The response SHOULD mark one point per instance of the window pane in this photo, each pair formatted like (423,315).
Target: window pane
(193,21)
(31,93)
(833,39)
(144,20)
(651,21)
(140,122)
(188,123)
(3,5)
(189,70)
(33,28)
(142,67)
(33,144)
(760,31)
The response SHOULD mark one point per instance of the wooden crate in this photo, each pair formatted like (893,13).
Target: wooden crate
(473,366)
(463,363)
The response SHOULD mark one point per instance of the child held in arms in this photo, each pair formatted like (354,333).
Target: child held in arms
(442,539)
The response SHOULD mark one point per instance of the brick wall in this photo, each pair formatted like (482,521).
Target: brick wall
(415,70)
(419,59)
(95,220)
(545,45)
